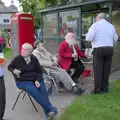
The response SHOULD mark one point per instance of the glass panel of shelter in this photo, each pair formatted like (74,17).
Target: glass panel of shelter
(69,22)
(87,21)
(50,32)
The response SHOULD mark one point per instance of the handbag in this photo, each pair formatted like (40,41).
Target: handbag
(86,73)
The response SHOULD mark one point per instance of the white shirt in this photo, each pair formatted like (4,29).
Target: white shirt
(102,33)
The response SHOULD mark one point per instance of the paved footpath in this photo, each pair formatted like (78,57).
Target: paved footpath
(24,109)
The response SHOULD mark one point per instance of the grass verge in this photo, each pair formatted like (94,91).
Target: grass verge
(95,107)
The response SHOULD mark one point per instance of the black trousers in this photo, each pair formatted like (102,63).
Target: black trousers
(79,68)
(2,97)
(102,58)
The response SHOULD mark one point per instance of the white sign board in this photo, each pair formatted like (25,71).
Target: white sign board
(5,18)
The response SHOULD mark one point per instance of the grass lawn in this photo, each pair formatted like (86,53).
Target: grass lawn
(95,107)
(8,53)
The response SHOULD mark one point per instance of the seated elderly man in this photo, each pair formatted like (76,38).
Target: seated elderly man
(69,56)
(49,62)
(28,75)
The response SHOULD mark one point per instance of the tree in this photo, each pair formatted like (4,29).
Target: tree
(54,2)
(34,6)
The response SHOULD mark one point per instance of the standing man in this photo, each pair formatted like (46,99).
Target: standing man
(102,35)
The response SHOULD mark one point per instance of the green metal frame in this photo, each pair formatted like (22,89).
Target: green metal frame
(71,6)
(41,25)
(80,24)
(110,12)
(58,26)
(109,9)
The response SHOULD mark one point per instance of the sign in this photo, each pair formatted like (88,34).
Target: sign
(5,18)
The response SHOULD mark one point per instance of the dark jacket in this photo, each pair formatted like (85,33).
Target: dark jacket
(29,72)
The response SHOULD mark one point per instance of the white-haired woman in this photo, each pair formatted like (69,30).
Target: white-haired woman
(28,76)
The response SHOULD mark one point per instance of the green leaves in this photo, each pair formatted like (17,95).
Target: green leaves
(34,6)
(4,36)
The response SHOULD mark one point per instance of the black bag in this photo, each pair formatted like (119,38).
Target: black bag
(88,44)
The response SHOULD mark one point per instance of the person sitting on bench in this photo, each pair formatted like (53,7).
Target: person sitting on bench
(69,56)
(28,75)
(49,62)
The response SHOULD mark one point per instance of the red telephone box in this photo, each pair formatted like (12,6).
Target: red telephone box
(22,28)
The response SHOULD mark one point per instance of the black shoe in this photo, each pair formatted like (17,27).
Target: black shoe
(51,116)
(104,90)
(77,90)
(82,90)
(96,92)
(75,80)
(61,85)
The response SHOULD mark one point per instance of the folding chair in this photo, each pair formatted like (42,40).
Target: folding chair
(22,91)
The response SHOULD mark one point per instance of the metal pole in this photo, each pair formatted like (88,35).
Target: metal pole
(80,26)
(110,12)
(41,26)
(58,27)
(45,3)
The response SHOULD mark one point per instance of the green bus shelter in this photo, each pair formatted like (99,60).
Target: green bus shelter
(77,16)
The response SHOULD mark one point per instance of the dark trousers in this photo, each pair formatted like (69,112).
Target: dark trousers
(79,68)
(102,58)
(2,97)
(39,94)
